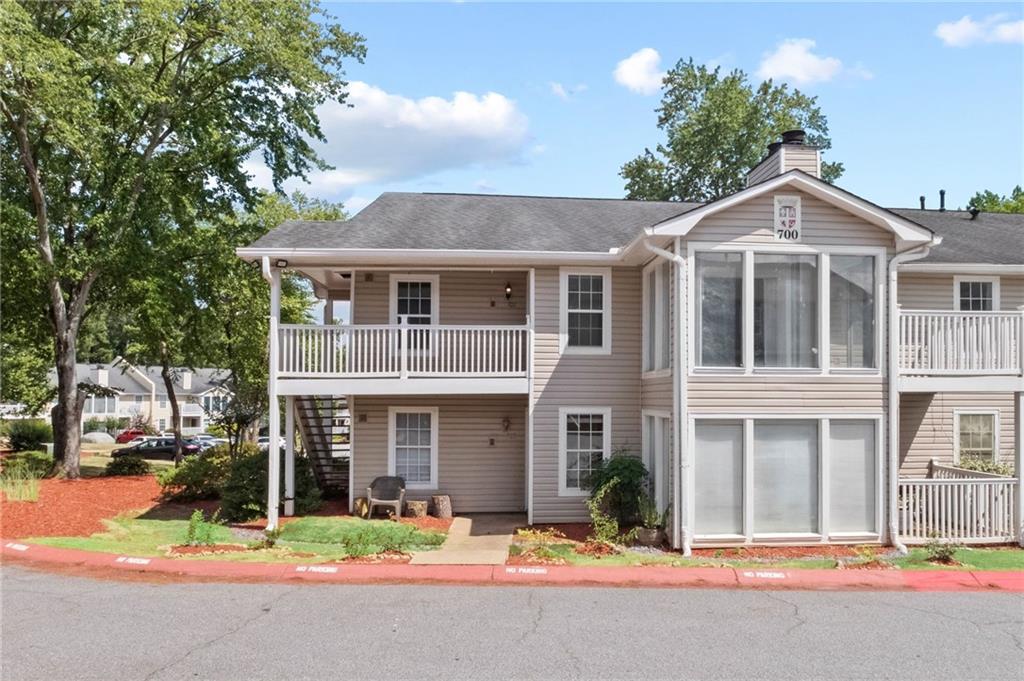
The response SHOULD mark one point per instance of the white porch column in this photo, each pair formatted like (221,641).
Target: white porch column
(274,426)
(1018,460)
(289,455)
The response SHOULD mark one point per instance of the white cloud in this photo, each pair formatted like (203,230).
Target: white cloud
(992,29)
(640,71)
(565,93)
(794,60)
(485,186)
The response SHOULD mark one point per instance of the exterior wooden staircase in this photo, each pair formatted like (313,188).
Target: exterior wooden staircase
(324,423)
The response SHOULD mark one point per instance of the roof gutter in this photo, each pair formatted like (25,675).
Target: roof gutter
(682,531)
(895,261)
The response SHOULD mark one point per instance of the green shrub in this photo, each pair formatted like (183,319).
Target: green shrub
(630,476)
(26,434)
(985,465)
(19,481)
(941,550)
(127,465)
(94,425)
(38,463)
(244,493)
(200,530)
(605,527)
(200,476)
(650,516)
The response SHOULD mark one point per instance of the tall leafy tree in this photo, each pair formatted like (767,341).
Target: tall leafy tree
(991,202)
(118,115)
(717,126)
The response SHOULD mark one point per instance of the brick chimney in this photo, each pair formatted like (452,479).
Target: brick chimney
(790,153)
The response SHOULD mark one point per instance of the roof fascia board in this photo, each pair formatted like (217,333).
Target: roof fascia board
(422,257)
(963,268)
(905,230)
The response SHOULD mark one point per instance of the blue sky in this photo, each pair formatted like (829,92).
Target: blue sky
(918,97)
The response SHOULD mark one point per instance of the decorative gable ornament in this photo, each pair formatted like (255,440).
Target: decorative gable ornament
(788,221)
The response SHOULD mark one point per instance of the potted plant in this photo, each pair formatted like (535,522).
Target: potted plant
(652,522)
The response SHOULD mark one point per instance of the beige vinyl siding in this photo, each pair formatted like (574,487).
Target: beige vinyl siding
(933,291)
(465,297)
(823,224)
(789,395)
(479,477)
(582,381)
(926,427)
(800,158)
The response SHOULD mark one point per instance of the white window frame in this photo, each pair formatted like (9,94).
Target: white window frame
(650,453)
(661,294)
(957,413)
(959,279)
(563,414)
(824,493)
(435,294)
(434,427)
(606,310)
(824,367)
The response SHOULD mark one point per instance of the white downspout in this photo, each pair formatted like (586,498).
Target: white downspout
(273,277)
(682,534)
(894,389)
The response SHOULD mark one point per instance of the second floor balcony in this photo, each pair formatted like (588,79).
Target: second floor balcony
(953,350)
(403,358)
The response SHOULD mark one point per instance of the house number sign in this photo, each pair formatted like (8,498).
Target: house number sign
(788,224)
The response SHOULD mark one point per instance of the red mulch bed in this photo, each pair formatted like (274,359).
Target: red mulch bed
(530,557)
(211,548)
(386,558)
(779,552)
(74,508)
(429,523)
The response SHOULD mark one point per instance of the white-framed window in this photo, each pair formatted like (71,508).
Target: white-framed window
(584,440)
(802,477)
(412,445)
(97,404)
(793,308)
(657,316)
(163,402)
(414,297)
(976,434)
(976,294)
(585,311)
(657,453)
(162,425)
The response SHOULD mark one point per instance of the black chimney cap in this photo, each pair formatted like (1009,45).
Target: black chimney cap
(922,202)
(974,212)
(794,137)
(942,199)
(773,147)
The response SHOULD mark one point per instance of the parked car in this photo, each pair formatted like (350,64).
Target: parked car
(156,448)
(263,441)
(128,435)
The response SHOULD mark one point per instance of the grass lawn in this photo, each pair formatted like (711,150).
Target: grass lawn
(94,461)
(1004,558)
(305,540)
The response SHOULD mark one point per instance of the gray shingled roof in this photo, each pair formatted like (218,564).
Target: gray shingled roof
(484,222)
(126,381)
(991,238)
(399,220)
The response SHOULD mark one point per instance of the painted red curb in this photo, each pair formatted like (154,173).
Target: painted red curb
(549,575)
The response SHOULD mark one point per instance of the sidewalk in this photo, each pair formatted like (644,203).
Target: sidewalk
(555,575)
(474,540)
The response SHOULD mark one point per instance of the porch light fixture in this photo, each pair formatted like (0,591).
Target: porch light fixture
(281,263)
(506,423)
(508,291)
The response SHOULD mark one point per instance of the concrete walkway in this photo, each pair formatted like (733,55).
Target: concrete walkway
(481,539)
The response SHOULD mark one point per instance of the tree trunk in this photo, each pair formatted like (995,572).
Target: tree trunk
(165,373)
(67,416)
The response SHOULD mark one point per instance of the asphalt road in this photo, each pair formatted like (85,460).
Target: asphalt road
(60,627)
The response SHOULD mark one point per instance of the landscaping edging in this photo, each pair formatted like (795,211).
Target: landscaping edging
(554,575)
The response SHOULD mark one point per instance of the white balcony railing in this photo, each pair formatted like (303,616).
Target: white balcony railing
(961,343)
(403,351)
(968,510)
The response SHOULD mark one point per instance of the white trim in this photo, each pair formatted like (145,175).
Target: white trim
(531,311)
(823,421)
(661,301)
(649,451)
(970,279)
(404,386)
(971,411)
(962,268)
(905,230)
(350,402)
(435,294)
(823,332)
(563,310)
(563,412)
(298,257)
(434,427)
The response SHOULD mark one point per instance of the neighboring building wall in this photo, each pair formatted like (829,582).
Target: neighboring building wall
(926,427)
(582,381)
(479,477)
(465,297)
(927,291)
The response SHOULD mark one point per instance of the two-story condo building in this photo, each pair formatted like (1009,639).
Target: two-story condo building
(793,363)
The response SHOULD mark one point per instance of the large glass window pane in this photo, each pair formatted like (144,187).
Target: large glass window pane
(785,310)
(719,477)
(977,436)
(413,451)
(584,448)
(852,472)
(976,296)
(852,311)
(719,299)
(586,310)
(785,476)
